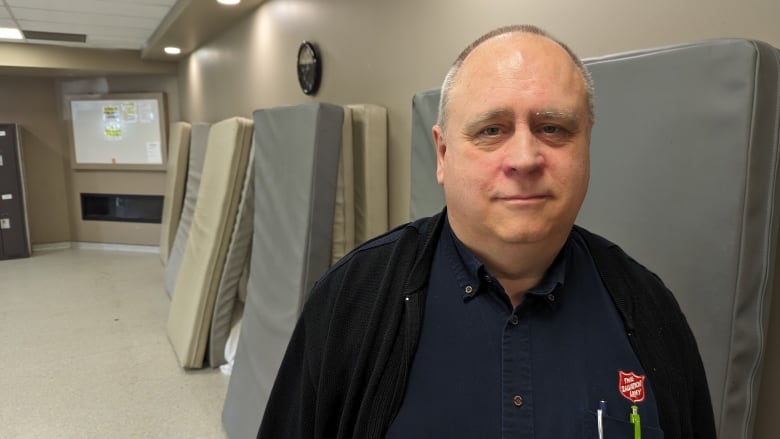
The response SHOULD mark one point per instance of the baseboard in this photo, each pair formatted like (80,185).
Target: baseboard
(96,246)
(117,247)
(51,246)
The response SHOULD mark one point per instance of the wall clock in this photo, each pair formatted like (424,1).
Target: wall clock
(309,68)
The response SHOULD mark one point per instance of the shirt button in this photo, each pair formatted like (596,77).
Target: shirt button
(551,297)
(469,290)
(517,400)
(514,320)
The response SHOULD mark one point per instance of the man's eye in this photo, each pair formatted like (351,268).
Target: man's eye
(550,129)
(491,131)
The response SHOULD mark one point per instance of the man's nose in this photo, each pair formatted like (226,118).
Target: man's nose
(523,154)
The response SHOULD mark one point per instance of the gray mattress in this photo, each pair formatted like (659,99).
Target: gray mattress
(427,196)
(684,178)
(296,167)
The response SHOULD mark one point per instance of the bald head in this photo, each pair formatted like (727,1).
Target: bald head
(452,75)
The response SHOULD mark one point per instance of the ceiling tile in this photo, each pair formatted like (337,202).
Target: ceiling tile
(143,25)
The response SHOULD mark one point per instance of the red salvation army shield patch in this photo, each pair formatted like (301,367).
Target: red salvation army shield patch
(631,386)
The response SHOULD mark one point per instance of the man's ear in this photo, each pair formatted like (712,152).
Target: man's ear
(441,148)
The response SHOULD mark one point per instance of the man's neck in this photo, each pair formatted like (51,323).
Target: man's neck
(518,267)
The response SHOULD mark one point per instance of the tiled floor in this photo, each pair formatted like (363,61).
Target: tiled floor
(84,352)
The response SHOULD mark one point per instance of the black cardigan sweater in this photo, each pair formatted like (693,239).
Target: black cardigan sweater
(345,369)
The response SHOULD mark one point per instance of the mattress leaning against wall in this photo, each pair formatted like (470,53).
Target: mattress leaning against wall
(193,298)
(175,179)
(199,137)
(228,305)
(360,213)
(684,177)
(361,196)
(427,196)
(344,211)
(296,168)
(369,149)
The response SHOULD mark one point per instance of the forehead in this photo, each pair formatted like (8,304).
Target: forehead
(519,68)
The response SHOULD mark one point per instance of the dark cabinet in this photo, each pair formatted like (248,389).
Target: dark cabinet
(14,235)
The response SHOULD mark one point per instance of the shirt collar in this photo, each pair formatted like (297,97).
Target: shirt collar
(470,273)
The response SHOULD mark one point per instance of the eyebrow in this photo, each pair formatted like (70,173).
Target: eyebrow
(558,115)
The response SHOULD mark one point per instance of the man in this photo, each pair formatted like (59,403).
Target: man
(498,317)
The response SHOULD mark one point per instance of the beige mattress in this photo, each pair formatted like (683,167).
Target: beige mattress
(369,150)
(224,168)
(361,194)
(175,177)
(199,137)
(233,280)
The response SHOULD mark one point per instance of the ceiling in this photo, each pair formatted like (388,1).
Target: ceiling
(143,25)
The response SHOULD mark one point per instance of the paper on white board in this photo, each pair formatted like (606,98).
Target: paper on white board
(153,153)
(129,112)
(145,111)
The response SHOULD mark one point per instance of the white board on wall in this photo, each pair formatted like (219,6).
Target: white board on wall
(118,131)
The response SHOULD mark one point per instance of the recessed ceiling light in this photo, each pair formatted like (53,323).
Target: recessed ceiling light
(170,50)
(10,33)
(229,2)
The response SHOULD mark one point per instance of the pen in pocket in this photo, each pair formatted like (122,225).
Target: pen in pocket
(600,413)
(634,418)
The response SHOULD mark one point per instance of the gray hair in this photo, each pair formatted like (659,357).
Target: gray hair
(449,80)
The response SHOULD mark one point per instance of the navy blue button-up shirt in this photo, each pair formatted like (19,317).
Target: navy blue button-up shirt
(484,369)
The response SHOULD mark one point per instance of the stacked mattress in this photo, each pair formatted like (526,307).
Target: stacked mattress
(194,294)
(296,177)
(313,185)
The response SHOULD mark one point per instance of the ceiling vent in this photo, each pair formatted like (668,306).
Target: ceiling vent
(54,36)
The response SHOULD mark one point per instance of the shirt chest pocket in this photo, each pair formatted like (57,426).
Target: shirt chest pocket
(615,428)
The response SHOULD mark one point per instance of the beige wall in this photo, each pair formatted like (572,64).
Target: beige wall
(32,103)
(382,52)
(53,187)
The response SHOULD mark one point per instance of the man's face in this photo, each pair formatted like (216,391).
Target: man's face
(514,161)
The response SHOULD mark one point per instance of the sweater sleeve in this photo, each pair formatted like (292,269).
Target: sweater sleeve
(702,416)
(660,309)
